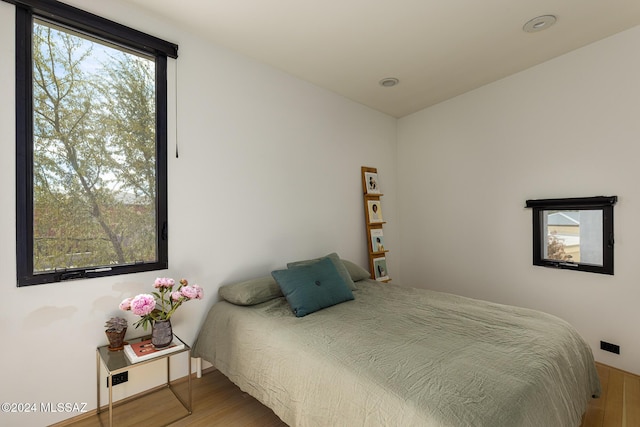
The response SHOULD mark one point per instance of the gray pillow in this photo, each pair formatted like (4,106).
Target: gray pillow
(356,272)
(337,262)
(251,292)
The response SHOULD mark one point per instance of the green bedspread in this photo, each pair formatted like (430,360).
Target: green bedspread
(398,356)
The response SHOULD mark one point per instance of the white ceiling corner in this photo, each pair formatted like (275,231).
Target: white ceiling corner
(437,49)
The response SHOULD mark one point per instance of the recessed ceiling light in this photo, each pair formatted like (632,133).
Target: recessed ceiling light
(539,23)
(389,82)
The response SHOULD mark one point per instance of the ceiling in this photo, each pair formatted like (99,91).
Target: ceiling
(436,48)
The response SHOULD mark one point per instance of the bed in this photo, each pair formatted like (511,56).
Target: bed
(398,356)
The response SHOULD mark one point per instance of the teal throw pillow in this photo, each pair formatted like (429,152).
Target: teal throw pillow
(312,287)
(337,262)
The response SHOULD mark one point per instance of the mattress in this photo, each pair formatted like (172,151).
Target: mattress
(402,356)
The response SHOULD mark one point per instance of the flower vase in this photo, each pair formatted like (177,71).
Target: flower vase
(161,333)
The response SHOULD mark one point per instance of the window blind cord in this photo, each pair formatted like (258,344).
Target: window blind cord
(175,88)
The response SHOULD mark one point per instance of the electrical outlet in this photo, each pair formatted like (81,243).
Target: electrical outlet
(606,346)
(120,378)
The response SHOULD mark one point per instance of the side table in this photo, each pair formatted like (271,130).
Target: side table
(116,362)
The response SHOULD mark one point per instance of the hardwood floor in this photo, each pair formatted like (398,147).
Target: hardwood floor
(619,405)
(218,402)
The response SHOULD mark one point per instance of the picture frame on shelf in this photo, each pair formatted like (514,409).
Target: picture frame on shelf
(375,211)
(380,268)
(371,182)
(377,240)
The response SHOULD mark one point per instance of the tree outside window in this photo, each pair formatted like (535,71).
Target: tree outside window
(91,137)
(94,152)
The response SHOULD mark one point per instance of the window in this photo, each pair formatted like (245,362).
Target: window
(575,233)
(91,145)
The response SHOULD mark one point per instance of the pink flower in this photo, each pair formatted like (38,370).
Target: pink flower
(162,303)
(189,292)
(164,282)
(143,304)
(200,291)
(125,305)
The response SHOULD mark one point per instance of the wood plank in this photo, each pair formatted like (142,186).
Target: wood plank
(631,401)
(615,398)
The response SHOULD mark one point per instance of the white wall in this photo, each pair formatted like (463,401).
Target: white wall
(566,128)
(269,172)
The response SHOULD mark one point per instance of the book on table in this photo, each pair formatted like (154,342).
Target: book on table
(144,350)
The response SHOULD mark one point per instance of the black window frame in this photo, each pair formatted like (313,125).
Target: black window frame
(97,26)
(602,203)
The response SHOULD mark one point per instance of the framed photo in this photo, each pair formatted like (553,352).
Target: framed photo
(377,240)
(380,268)
(375,211)
(371,180)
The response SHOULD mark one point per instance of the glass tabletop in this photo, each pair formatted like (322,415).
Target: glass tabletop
(118,360)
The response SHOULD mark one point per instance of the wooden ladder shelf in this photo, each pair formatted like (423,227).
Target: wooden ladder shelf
(374,222)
